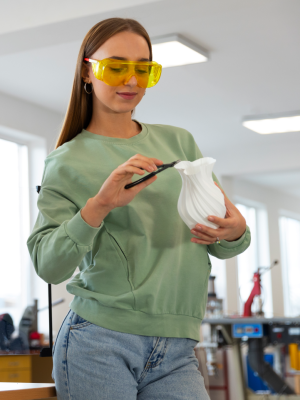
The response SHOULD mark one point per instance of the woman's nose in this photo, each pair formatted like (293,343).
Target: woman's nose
(132,81)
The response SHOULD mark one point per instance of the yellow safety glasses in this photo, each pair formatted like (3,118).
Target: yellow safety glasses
(118,72)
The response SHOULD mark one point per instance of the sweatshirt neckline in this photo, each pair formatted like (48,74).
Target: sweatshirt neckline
(136,138)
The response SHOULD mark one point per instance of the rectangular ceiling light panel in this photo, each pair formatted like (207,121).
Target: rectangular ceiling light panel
(277,124)
(174,50)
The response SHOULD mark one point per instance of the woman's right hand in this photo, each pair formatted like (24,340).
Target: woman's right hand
(113,193)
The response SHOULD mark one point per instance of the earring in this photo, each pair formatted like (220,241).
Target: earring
(86,89)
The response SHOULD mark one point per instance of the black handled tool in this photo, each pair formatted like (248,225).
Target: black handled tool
(160,168)
(47,351)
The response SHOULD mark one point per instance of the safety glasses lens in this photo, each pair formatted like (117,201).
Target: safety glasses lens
(116,74)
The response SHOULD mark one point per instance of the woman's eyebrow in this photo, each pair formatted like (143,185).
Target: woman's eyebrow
(123,58)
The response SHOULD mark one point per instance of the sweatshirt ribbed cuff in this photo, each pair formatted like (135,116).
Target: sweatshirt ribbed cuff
(235,243)
(81,232)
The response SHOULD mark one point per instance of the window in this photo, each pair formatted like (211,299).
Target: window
(15,225)
(257,255)
(290,255)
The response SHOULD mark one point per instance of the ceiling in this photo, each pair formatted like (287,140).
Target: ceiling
(253,69)
(18,15)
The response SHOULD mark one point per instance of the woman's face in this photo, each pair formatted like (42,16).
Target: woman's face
(129,46)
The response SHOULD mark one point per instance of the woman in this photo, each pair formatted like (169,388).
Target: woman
(141,292)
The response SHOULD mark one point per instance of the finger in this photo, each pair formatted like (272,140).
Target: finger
(228,213)
(195,240)
(142,164)
(157,161)
(128,169)
(228,204)
(202,236)
(201,229)
(210,232)
(141,161)
(222,222)
(150,160)
(230,207)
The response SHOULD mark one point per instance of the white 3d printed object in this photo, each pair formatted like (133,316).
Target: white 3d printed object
(199,196)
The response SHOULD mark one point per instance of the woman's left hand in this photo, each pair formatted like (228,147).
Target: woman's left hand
(231,227)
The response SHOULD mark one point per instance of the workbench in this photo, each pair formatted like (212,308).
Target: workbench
(27,391)
(28,367)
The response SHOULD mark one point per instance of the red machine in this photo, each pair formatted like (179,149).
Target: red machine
(256,291)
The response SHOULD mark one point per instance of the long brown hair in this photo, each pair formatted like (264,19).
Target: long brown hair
(80,108)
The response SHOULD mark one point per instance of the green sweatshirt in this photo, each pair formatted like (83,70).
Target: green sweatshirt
(139,271)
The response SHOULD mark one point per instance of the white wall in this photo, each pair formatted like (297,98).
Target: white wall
(22,118)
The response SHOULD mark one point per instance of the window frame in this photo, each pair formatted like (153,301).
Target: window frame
(284,274)
(32,286)
(259,207)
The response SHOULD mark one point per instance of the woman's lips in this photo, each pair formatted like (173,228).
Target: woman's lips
(127,95)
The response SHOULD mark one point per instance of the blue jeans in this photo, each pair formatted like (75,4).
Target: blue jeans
(91,363)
